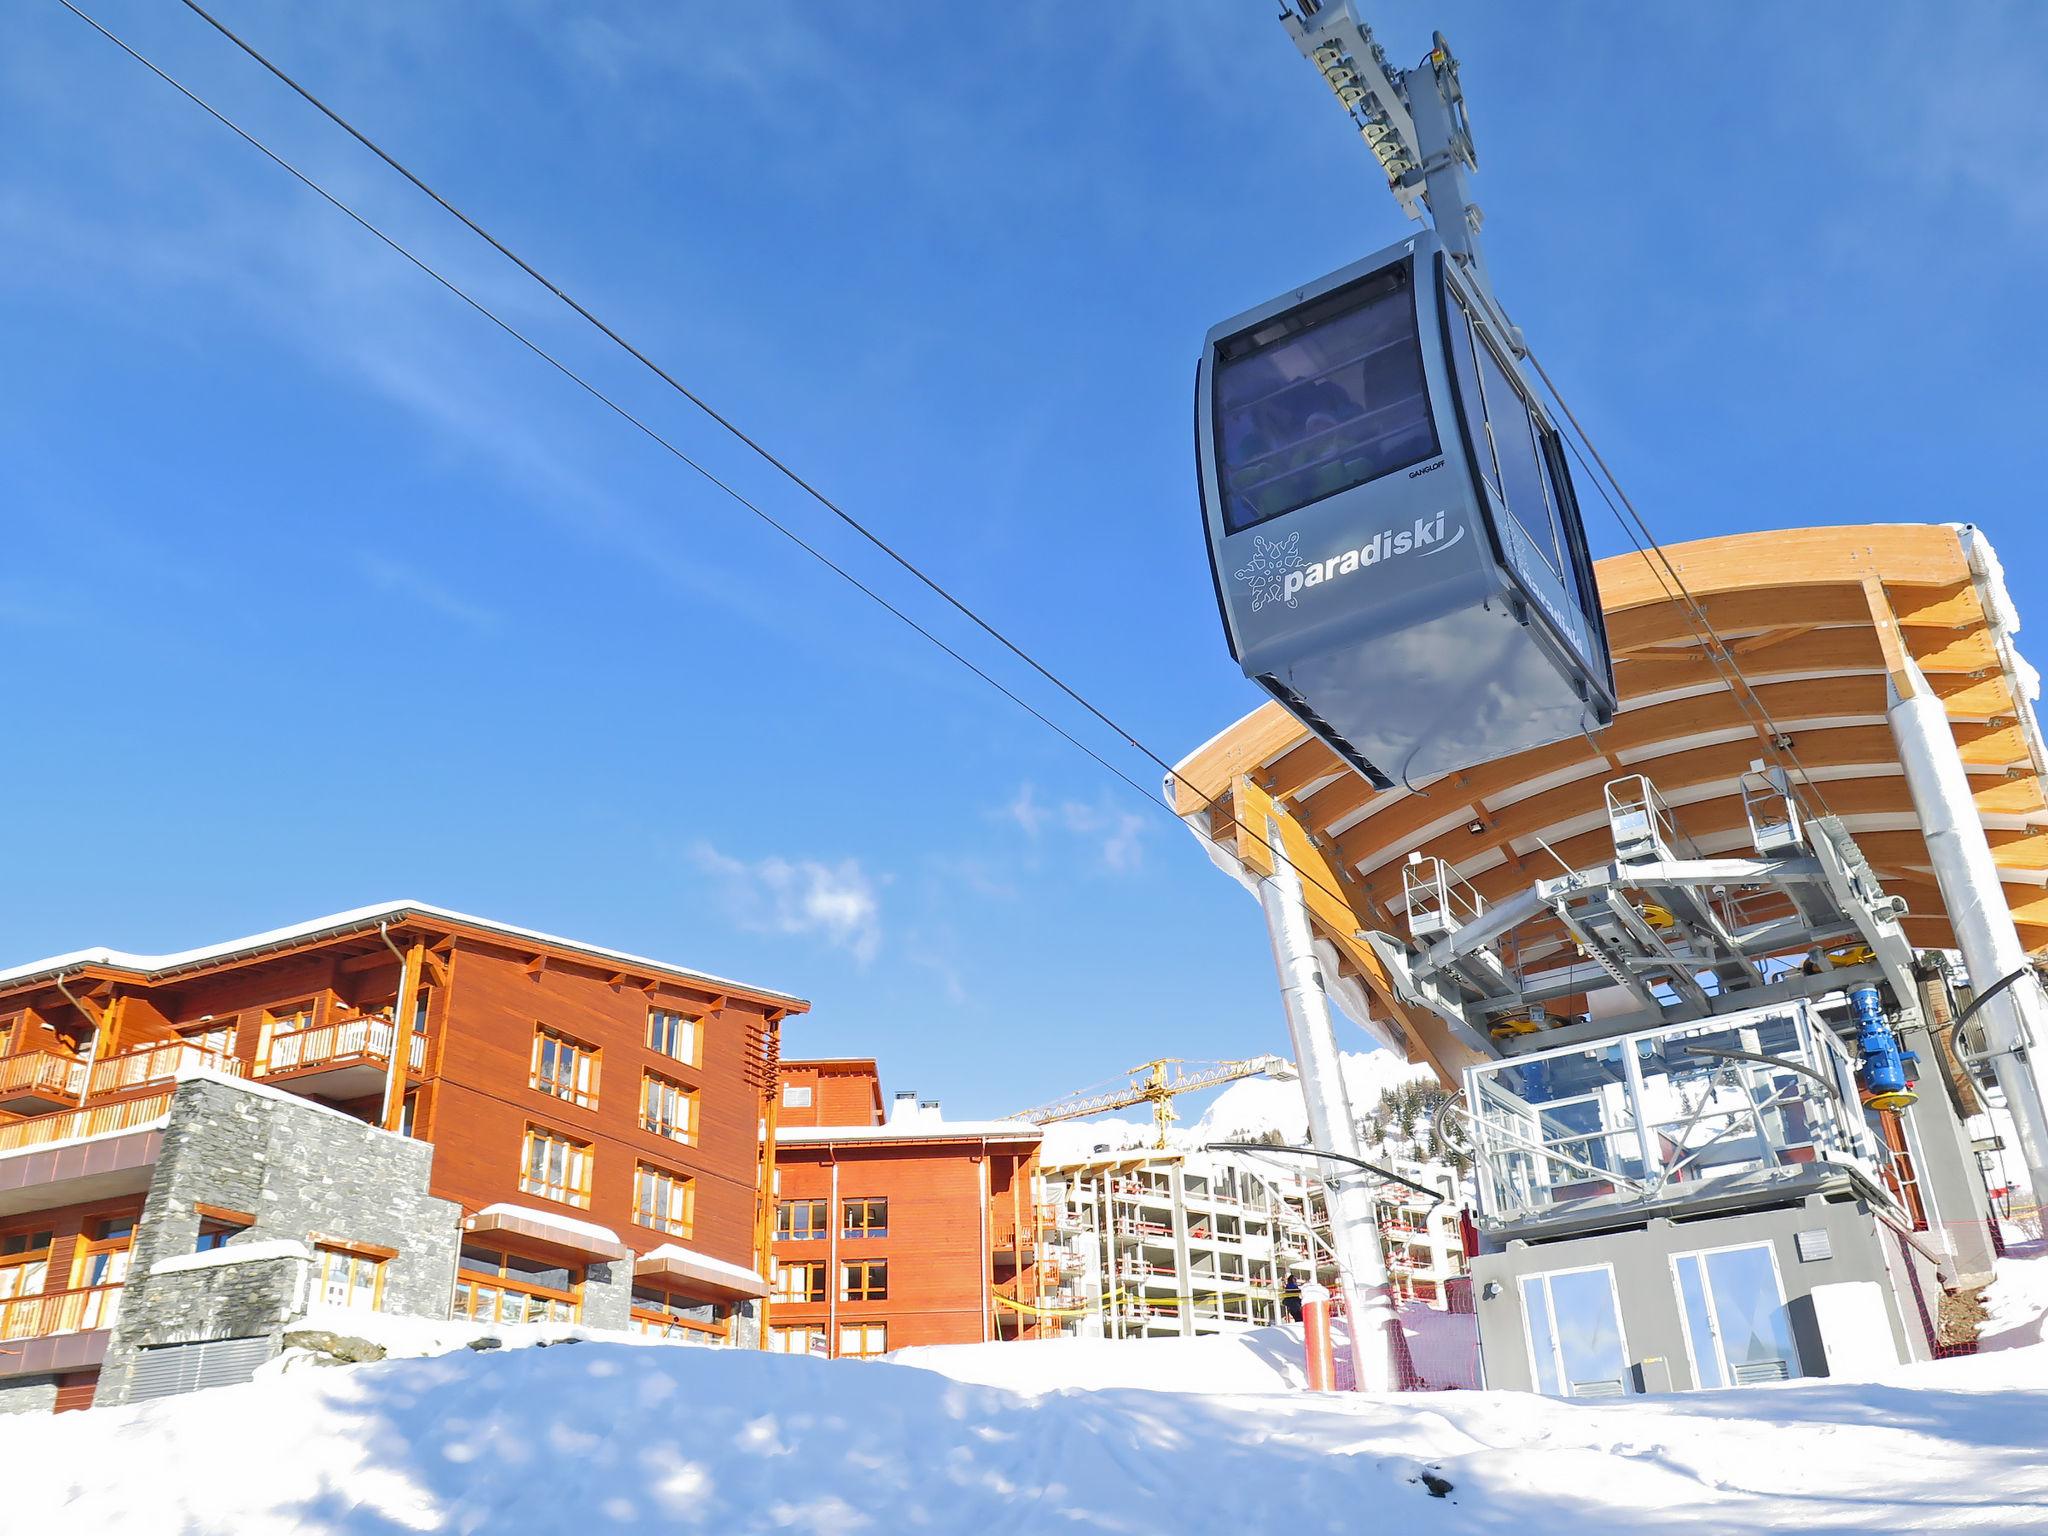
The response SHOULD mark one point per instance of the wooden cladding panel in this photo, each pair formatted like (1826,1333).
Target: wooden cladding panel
(938,1284)
(484,1102)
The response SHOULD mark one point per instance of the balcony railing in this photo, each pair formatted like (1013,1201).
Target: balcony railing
(344,1040)
(70,1124)
(37,1317)
(159,1063)
(44,1074)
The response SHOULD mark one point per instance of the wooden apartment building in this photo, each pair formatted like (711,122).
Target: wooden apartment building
(897,1229)
(397,1107)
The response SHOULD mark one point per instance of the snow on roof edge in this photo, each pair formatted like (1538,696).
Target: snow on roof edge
(945,1130)
(692,1256)
(358,917)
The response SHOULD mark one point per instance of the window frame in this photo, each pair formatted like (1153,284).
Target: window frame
(350,1257)
(868,1230)
(1544,1277)
(583,1156)
(585,1062)
(879,1329)
(812,1292)
(1795,1366)
(30,1255)
(471,1279)
(820,1226)
(650,1081)
(872,1283)
(659,1015)
(95,1243)
(682,1189)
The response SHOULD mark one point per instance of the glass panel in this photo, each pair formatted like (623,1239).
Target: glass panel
(1755,1327)
(1588,1333)
(1460,343)
(1542,1337)
(1521,473)
(1699,1328)
(539,1272)
(1321,400)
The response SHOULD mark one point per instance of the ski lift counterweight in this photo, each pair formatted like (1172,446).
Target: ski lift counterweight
(1396,547)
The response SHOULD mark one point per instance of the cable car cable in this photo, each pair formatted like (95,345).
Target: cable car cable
(621,411)
(1702,625)
(680,388)
(609,402)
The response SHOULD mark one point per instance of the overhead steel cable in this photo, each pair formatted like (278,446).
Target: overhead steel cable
(1775,738)
(650,432)
(726,423)
(599,395)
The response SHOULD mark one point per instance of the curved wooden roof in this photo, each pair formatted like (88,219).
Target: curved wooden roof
(1816,619)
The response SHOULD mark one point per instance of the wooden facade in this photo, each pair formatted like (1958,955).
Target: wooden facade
(961,1231)
(1813,627)
(432,1025)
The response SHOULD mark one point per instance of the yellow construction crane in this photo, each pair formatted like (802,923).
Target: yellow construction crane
(1151,1082)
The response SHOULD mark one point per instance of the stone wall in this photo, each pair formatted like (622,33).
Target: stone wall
(28,1394)
(305,1172)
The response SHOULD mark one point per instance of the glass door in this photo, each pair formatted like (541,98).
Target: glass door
(1737,1330)
(1576,1346)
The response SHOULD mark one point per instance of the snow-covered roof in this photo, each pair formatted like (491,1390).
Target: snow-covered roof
(915,1130)
(584,1236)
(358,919)
(690,1256)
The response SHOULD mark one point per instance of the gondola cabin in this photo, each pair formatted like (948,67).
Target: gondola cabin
(1396,548)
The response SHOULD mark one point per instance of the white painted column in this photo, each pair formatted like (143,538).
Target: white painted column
(1361,1262)
(2015,1023)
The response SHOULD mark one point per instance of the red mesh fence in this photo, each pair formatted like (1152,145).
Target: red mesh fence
(1432,1351)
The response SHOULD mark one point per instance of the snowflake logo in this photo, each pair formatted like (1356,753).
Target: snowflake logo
(1267,570)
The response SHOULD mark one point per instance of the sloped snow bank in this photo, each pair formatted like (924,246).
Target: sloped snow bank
(1254,1360)
(596,1437)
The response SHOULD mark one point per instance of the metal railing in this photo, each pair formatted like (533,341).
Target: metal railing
(71,1124)
(1439,900)
(38,1317)
(369,1036)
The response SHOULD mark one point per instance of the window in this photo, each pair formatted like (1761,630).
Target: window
(800,1219)
(1737,1331)
(865,1218)
(665,1314)
(347,1278)
(564,1067)
(865,1280)
(1321,400)
(1504,440)
(667,1108)
(663,1200)
(796,1095)
(556,1166)
(495,1287)
(24,1263)
(217,1225)
(799,1282)
(1576,1347)
(796,1341)
(673,1034)
(409,1114)
(101,1257)
(857,1341)
(214,1039)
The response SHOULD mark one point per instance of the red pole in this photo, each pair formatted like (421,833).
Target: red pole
(1315,1327)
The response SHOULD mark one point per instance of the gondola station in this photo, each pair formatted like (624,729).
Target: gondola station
(1706,876)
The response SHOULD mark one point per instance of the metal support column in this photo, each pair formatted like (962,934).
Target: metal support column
(1354,1235)
(2016,1021)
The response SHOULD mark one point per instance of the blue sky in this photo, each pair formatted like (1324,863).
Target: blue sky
(317,591)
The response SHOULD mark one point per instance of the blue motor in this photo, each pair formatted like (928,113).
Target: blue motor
(1884,1065)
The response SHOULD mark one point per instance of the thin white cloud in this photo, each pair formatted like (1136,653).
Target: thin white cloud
(400,579)
(1117,835)
(838,903)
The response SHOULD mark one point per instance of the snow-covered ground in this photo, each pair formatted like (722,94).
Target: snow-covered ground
(601,1436)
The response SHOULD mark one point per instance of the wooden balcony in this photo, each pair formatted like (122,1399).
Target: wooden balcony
(344,1059)
(152,1064)
(72,1124)
(36,1081)
(55,1312)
